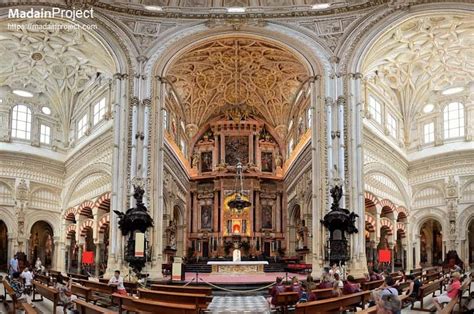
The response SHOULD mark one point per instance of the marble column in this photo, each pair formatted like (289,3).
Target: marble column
(97,257)
(119,166)
(317,191)
(358,264)
(79,258)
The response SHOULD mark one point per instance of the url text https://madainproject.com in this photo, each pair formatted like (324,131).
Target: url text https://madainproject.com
(49,27)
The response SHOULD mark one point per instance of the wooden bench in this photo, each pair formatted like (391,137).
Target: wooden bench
(322,294)
(373,309)
(200,300)
(333,304)
(16,304)
(83,292)
(371,285)
(47,292)
(87,308)
(98,287)
(426,289)
(133,304)
(285,299)
(182,289)
(131,287)
(431,277)
(29,309)
(78,276)
(449,308)
(45,280)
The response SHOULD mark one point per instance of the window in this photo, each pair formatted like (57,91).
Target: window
(99,111)
(82,126)
(45,134)
(310,117)
(428,133)
(453,120)
(392,125)
(165,119)
(21,122)
(375,109)
(290,147)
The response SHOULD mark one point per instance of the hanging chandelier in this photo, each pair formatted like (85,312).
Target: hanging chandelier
(238,204)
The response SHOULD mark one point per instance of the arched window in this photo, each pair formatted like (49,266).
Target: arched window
(99,111)
(453,120)
(375,109)
(21,122)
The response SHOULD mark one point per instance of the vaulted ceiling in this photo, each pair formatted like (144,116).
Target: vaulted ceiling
(416,60)
(211,77)
(54,64)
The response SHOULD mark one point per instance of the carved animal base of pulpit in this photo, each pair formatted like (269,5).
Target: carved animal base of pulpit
(226,268)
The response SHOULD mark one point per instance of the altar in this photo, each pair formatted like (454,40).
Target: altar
(237,267)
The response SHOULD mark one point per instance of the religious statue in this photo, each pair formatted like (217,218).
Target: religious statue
(206,217)
(278,160)
(195,160)
(171,231)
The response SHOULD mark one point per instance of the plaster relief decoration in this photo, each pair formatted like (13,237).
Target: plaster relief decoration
(52,62)
(420,58)
(236,149)
(229,72)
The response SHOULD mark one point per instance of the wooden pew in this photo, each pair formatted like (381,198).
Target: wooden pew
(286,299)
(373,309)
(83,292)
(47,292)
(449,308)
(182,289)
(134,304)
(131,287)
(98,287)
(200,300)
(78,276)
(29,309)
(431,277)
(371,285)
(322,294)
(426,289)
(87,308)
(333,304)
(17,305)
(45,280)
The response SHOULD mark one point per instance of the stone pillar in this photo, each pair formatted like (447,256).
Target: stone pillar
(417,251)
(146,144)
(79,258)
(358,264)
(97,257)
(119,166)
(57,249)
(317,189)
(157,205)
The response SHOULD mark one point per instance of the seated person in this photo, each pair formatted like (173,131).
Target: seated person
(388,287)
(276,290)
(17,286)
(28,277)
(296,286)
(65,295)
(117,281)
(338,281)
(387,304)
(414,287)
(325,282)
(373,276)
(350,286)
(451,292)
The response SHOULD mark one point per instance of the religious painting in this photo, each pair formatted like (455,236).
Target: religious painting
(206,161)
(206,217)
(236,149)
(236,226)
(267,162)
(266,217)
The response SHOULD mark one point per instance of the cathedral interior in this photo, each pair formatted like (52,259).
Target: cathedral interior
(204,102)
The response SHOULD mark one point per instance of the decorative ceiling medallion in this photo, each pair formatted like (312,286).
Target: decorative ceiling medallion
(37,56)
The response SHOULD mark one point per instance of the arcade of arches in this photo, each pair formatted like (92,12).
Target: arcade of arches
(372,96)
